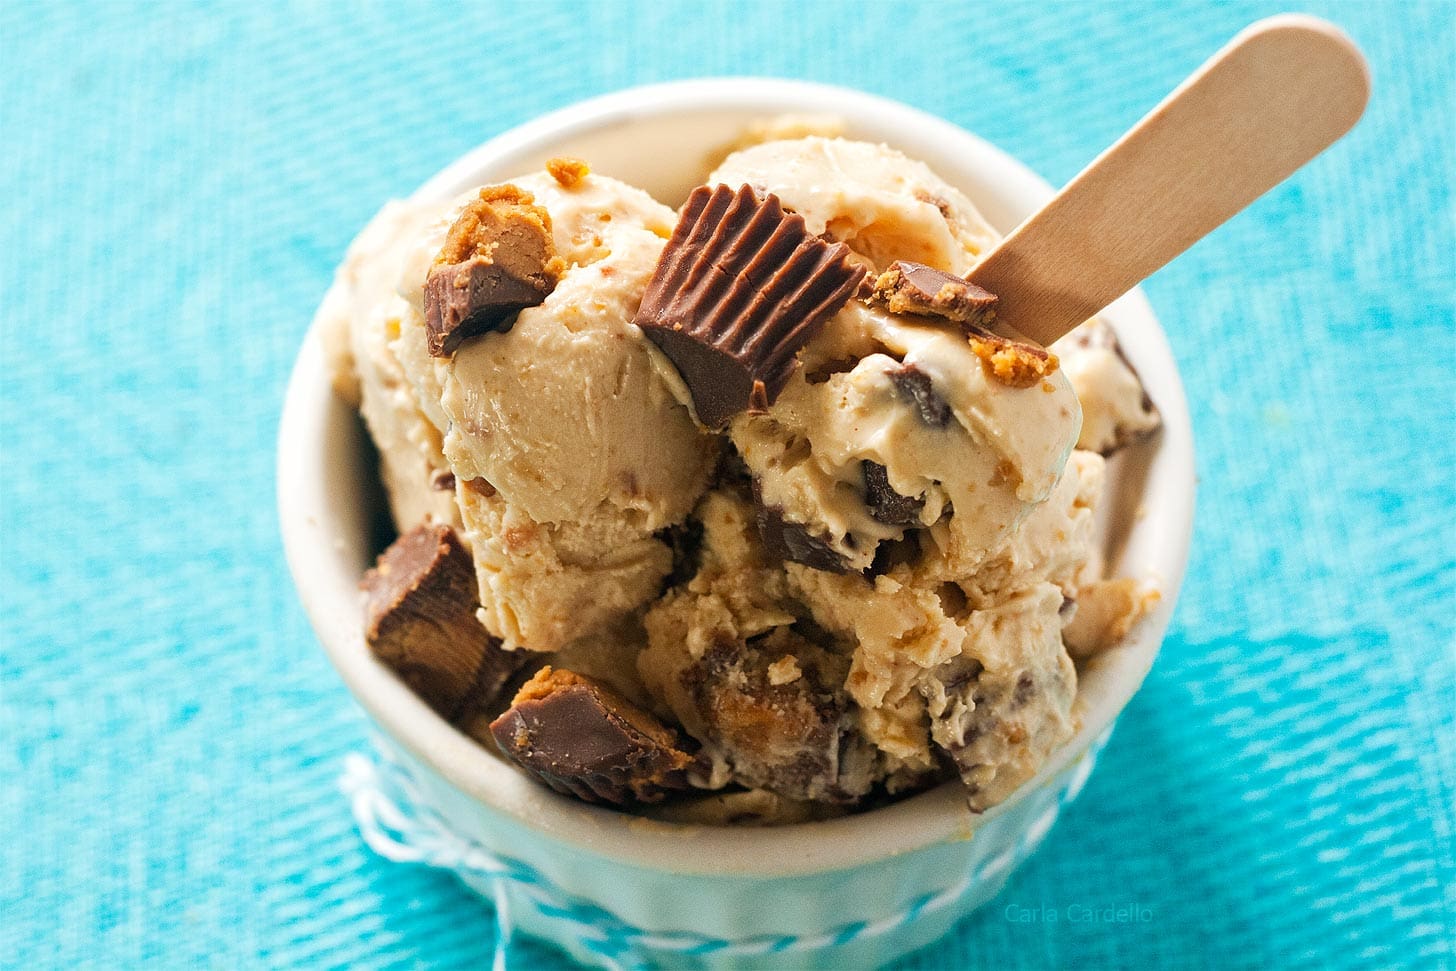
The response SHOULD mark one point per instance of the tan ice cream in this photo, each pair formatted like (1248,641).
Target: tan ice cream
(1115,409)
(858,577)
(568,451)
(363,315)
(885,206)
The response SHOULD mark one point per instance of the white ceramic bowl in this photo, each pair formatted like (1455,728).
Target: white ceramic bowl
(615,889)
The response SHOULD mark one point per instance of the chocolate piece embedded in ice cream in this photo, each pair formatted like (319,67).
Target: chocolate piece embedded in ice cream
(793,541)
(583,739)
(498,259)
(915,386)
(775,708)
(914,288)
(420,621)
(739,289)
(884,503)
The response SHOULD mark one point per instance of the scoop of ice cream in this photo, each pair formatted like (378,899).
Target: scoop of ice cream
(900,667)
(885,206)
(862,584)
(892,423)
(920,625)
(568,448)
(1001,710)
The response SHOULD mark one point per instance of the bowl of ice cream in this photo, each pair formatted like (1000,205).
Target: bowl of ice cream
(888,615)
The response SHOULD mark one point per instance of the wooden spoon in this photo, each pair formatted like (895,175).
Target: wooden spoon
(1280,93)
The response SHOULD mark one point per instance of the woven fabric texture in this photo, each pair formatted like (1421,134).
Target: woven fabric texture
(179,180)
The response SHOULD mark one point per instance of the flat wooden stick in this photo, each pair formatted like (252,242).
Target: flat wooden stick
(1280,93)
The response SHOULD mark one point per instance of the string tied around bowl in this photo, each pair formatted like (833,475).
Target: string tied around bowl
(398,824)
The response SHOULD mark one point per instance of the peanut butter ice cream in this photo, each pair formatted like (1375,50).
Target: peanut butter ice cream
(755,488)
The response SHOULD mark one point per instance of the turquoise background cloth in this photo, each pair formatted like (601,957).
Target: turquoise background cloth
(179,181)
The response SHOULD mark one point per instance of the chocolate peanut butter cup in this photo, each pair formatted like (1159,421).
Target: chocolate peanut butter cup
(585,740)
(498,259)
(420,621)
(739,290)
(924,291)
(914,288)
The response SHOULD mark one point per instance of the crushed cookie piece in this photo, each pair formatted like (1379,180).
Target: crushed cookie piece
(1017,364)
(784,671)
(568,172)
(499,258)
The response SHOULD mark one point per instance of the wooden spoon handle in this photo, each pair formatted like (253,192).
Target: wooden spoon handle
(1281,92)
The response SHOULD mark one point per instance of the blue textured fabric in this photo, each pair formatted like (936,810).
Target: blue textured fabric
(179,181)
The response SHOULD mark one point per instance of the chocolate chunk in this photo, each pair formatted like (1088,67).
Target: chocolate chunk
(685,539)
(789,540)
(420,621)
(481,486)
(936,201)
(795,737)
(891,553)
(914,288)
(739,289)
(443,481)
(980,718)
(583,739)
(884,503)
(1024,691)
(498,259)
(914,385)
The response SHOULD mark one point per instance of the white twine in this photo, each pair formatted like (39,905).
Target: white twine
(399,825)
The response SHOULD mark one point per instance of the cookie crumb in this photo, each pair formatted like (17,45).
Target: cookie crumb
(1013,363)
(568,172)
(784,671)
